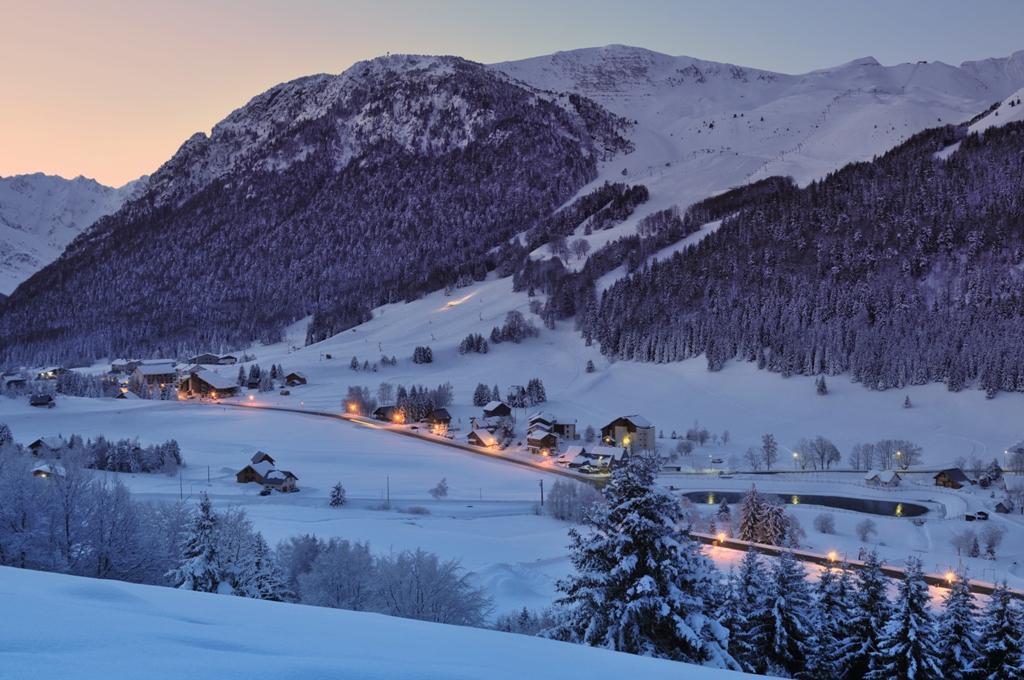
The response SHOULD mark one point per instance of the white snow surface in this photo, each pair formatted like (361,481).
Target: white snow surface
(40,214)
(72,627)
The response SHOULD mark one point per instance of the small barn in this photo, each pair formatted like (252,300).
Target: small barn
(481,438)
(497,409)
(385,413)
(295,378)
(1004,506)
(47,446)
(882,478)
(254,472)
(262,457)
(952,478)
(42,400)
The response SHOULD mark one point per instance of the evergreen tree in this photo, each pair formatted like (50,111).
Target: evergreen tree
(832,598)
(908,648)
(958,648)
(787,637)
(864,622)
(999,638)
(5,435)
(481,395)
(259,577)
(200,568)
(748,621)
(495,394)
(241,376)
(640,584)
(337,496)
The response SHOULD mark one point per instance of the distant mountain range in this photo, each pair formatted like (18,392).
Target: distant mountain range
(330,194)
(40,214)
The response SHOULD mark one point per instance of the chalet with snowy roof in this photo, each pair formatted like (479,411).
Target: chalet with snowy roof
(227,360)
(13,382)
(47,446)
(882,478)
(254,472)
(385,413)
(952,478)
(280,480)
(209,383)
(541,441)
(262,457)
(630,432)
(497,409)
(439,416)
(592,458)
(541,418)
(295,378)
(156,375)
(208,359)
(481,438)
(48,470)
(123,366)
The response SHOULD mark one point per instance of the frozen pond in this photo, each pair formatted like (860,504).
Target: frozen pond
(869,505)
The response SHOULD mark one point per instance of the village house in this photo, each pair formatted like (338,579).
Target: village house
(295,378)
(388,414)
(591,458)
(254,472)
(227,360)
(48,446)
(552,424)
(952,478)
(209,383)
(51,373)
(497,409)
(631,432)
(48,470)
(156,375)
(123,366)
(205,359)
(882,478)
(481,438)
(542,441)
(280,480)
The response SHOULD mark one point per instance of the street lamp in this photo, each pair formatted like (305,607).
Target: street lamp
(795,456)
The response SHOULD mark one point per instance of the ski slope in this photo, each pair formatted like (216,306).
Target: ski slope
(71,627)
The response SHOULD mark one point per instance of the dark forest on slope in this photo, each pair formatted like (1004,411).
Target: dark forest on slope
(904,270)
(260,246)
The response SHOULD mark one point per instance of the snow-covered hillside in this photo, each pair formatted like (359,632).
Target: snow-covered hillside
(703,127)
(40,214)
(65,626)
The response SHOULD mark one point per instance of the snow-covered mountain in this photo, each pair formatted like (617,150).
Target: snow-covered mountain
(704,126)
(40,214)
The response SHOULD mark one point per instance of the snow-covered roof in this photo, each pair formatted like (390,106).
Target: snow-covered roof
(884,476)
(155,369)
(539,434)
(491,405)
(50,442)
(637,420)
(262,469)
(49,469)
(484,436)
(541,415)
(279,475)
(259,456)
(127,394)
(216,380)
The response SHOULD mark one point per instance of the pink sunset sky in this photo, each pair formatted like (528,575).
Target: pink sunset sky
(110,89)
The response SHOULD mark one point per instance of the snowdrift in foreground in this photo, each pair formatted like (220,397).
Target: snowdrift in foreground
(64,626)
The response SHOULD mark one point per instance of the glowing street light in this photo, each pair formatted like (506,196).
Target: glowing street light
(833,556)
(720,536)
(950,577)
(252,397)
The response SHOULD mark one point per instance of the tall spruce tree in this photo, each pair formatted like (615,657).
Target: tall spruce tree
(999,639)
(641,584)
(200,568)
(958,648)
(748,620)
(908,648)
(864,623)
(788,631)
(832,600)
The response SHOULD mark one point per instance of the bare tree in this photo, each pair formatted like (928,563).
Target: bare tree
(580,248)
(866,530)
(963,541)
(991,537)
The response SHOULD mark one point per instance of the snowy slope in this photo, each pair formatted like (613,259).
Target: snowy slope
(703,127)
(153,632)
(1010,110)
(40,214)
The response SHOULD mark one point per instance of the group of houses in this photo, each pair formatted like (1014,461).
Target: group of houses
(48,448)
(262,469)
(200,376)
(438,420)
(544,431)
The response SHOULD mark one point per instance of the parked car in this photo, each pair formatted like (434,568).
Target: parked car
(981,514)
(285,393)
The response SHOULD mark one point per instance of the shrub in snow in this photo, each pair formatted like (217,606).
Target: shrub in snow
(337,496)
(820,387)
(866,530)
(825,523)
(441,490)
(572,501)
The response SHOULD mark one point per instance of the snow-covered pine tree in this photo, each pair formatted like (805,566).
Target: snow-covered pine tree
(200,568)
(259,576)
(831,604)
(481,395)
(864,622)
(908,647)
(495,394)
(788,635)
(958,648)
(747,603)
(640,584)
(337,496)
(999,638)
(5,435)
(750,516)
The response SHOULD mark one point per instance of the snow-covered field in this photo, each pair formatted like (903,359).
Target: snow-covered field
(71,627)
